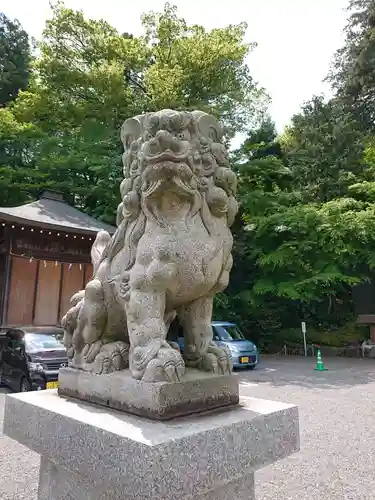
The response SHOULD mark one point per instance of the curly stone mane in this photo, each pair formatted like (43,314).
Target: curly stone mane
(208,173)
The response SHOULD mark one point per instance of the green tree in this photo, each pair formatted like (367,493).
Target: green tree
(364,187)
(324,150)
(14,59)
(18,142)
(89,78)
(195,68)
(264,189)
(296,257)
(94,70)
(352,74)
(16,137)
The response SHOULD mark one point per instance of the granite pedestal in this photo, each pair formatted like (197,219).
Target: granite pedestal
(89,452)
(196,392)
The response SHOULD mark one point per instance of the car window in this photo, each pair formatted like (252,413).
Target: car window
(36,342)
(229,332)
(215,334)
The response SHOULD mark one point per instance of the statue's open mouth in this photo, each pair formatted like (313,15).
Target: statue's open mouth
(165,169)
(166,178)
(168,175)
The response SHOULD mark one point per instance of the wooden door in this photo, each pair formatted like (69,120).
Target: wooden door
(22,291)
(48,294)
(88,273)
(72,283)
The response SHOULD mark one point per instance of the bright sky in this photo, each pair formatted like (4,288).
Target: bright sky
(296,38)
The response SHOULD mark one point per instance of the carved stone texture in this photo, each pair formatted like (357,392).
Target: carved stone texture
(170,255)
(198,392)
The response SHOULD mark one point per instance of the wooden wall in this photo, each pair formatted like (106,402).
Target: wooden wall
(47,294)
(4,267)
(22,291)
(40,291)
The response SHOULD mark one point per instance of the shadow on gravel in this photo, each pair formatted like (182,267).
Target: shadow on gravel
(341,372)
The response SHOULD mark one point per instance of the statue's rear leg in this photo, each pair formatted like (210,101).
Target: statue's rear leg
(199,348)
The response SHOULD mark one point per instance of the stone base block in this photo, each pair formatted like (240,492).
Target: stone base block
(197,392)
(57,483)
(95,453)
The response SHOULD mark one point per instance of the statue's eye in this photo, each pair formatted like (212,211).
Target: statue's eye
(180,136)
(148,136)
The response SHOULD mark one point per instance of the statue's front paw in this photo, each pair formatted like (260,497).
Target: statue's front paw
(112,357)
(90,351)
(167,365)
(216,360)
(103,358)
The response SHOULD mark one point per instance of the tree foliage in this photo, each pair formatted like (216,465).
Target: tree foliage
(352,73)
(88,78)
(324,149)
(17,146)
(97,71)
(297,256)
(14,59)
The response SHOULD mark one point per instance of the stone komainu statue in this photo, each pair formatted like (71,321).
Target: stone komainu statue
(170,254)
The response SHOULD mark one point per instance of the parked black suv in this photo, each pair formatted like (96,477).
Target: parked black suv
(30,358)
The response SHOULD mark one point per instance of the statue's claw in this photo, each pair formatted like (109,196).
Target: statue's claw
(106,358)
(90,351)
(168,365)
(216,360)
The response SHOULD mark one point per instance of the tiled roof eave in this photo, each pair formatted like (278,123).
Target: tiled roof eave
(57,215)
(46,225)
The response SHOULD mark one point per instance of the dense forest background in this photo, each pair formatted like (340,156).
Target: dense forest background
(305,234)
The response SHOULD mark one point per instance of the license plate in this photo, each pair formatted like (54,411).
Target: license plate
(244,359)
(52,385)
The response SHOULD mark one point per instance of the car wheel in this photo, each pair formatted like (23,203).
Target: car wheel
(1,377)
(251,367)
(25,385)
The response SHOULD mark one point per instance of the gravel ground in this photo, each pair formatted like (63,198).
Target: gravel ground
(337,415)
(19,467)
(337,422)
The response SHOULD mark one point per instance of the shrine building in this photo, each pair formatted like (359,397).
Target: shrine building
(44,259)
